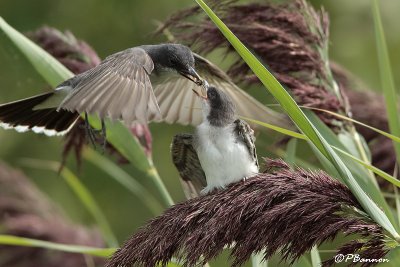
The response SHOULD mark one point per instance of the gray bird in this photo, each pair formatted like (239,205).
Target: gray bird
(220,152)
(121,87)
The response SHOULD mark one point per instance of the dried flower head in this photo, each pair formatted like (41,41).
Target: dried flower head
(75,54)
(26,212)
(282,210)
(290,38)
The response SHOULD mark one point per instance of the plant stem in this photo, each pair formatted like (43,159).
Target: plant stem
(155,177)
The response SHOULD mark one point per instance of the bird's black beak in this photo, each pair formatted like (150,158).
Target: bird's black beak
(192,75)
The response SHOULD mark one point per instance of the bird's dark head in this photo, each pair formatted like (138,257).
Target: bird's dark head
(218,107)
(175,57)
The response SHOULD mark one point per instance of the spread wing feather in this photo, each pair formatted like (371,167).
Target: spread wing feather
(246,135)
(185,158)
(119,87)
(168,94)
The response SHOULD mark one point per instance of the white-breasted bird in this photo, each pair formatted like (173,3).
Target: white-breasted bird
(220,152)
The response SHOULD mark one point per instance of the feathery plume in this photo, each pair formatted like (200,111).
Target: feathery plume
(26,212)
(280,210)
(290,38)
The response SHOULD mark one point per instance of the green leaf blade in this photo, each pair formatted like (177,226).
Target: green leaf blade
(55,74)
(388,86)
(28,242)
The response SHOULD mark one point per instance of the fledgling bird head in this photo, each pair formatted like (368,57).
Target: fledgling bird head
(218,107)
(175,57)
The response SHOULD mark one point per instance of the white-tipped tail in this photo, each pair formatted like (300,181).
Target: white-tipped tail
(22,116)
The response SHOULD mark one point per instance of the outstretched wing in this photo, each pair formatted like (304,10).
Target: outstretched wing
(178,104)
(246,135)
(185,158)
(118,88)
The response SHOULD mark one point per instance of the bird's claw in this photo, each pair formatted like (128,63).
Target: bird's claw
(91,133)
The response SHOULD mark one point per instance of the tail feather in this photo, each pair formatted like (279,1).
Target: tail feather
(22,116)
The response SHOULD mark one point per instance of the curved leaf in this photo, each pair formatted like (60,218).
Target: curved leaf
(28,242)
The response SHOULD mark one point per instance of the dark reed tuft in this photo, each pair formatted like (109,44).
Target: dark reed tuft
(281,210)
(78,57)
(290,38)
(26,212)
(75,54)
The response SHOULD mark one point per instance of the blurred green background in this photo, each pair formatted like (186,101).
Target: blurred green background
(110,26)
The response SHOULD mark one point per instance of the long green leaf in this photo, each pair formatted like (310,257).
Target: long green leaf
(377,171)
(88,201)
(124,179)
(277,129)
(122,139)
(343,117)
(397,201)
(315,258)
(338,147)
(302,122)
(388,135)
(81,192)
(11,240)
(51,70)
(118,135)
(28,242)
(388,87)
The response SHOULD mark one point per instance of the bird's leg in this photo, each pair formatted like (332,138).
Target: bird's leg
(104,134)
(89,131)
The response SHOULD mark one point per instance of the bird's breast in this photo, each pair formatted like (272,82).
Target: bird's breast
(223,159)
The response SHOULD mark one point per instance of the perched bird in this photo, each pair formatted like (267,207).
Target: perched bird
(121,87)
(220,152)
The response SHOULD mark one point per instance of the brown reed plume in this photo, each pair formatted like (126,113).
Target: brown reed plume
(26,212)
(280,210)
(291,39)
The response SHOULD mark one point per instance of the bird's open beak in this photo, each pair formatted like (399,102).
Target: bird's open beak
(192,75)
(203,90)
(201,94)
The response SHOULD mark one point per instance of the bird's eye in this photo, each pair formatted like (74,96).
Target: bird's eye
(173,61)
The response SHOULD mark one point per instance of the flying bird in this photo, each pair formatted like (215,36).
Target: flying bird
(120,87)
(220,152)
(144,83)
